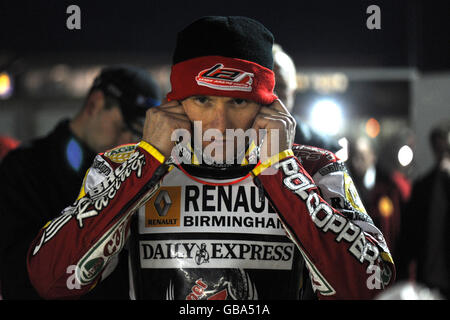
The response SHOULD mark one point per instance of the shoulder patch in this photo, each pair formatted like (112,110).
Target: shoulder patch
(333,167)
(312,153)
(121,153)
(351,195)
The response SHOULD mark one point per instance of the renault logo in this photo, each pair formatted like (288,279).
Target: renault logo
(163,203)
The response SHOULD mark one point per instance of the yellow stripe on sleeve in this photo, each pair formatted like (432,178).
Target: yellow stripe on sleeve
(152,150)
(271,161)
(83,191)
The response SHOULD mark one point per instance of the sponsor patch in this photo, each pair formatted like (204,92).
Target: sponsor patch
(101,166)
(97,257)
(164,209)
(352,195)
(206,208)
(229,79)
(101,195)
(120,154)
(332,167)
(230,284)
(312,153)
(174,254)
(327,220)
(224,284)
(108,246)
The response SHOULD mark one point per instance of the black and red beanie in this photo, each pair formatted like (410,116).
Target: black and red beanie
(224,56)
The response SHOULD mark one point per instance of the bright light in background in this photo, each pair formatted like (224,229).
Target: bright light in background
(372,128)
(343,152)
(405,155)
(326,117)
(5,85)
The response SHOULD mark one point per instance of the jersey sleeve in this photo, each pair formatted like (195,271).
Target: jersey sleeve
(346,255)
(72,252)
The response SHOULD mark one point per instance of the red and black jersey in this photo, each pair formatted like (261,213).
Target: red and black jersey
(190,237)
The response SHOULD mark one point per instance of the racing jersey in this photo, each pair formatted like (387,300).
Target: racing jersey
(203,238)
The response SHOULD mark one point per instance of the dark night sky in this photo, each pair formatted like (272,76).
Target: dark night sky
(316,33)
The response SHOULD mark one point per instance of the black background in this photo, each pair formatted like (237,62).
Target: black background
(316,33)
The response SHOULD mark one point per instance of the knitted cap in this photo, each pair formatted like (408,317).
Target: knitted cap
(233,37)
(224,56)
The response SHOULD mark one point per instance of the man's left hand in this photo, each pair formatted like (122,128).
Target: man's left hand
(274,119)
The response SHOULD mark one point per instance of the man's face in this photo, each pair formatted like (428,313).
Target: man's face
(282,89)
(362,157)
(441,147)
(285,83)
(221,113)
(108,129)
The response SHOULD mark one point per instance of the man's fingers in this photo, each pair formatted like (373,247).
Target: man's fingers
(173,107)
(266,122)
(275,111)
(175,115)
(279,106)
(166,104)
(270,110)
(274,115)
(170,105)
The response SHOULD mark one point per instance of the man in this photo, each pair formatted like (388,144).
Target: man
(425,259)
(361,163)
(382,187)
(39,179)
(198,226)
(285,89)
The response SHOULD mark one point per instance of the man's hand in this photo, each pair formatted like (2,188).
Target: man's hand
(275,118)
(160,123)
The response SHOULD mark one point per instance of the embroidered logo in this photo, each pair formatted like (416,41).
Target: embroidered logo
(228,79)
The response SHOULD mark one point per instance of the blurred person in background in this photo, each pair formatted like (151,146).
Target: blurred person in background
(392,188)
(53,167)
(285,88)
(361,163)
(382,186)
(424,243)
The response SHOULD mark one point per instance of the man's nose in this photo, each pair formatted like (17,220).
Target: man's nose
(221,119)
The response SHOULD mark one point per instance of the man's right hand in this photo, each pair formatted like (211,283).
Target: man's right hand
(160,122)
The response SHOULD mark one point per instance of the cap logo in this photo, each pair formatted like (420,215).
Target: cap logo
(220,78)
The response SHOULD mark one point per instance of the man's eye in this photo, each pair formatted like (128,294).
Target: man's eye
(201,99)
(239,101)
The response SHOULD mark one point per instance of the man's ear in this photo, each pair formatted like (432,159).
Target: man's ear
(95,102)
